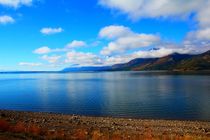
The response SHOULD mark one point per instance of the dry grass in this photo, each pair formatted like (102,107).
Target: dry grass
(22,130)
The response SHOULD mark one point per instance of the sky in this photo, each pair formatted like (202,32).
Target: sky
(48,35)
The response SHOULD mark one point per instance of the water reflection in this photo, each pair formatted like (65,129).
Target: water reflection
(120,94)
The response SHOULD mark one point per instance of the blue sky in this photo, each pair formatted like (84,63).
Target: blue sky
(52,35)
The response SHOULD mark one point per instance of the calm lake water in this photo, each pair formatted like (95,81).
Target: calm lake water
(119,94)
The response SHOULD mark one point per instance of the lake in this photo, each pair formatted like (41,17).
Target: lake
(147,95)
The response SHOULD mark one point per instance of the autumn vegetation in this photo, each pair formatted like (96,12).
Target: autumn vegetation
(22,130)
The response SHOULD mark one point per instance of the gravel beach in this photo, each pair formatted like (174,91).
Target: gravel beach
(30,125)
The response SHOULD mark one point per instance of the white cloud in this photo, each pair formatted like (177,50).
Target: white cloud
(201,34)
(159,52)
(51,59)
(82,59)
(130,43)
(203,15)
(108,61)
(6,19)
(114,31)
(15,3)
(76,43)
(46,50)
(154,9)
(137,9)
(30,64)
(50,31)
(42,50)
(95,43)
(126,41)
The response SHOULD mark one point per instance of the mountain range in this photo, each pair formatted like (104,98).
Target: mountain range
(172,62)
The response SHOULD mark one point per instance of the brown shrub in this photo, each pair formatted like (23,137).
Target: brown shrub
(60,134)
(148,134)
(97,135)
(19,128)
(80,134)
(33,129)
(116,136)
(4,125)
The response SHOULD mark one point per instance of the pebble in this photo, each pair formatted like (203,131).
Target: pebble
(109,125)
(52,130)
(35,121)
(205,130)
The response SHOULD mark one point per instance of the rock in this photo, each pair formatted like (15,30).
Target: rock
(206,130)
(114,123)
(74,118)
(196,128)
(35,121)
(3,115)
(52,130)
(78,123)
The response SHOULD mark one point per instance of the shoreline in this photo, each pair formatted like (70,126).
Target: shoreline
(84,127)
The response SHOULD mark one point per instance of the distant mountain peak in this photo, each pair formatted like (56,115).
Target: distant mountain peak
(176,53)
(208,52)
(174,61)
(154,49)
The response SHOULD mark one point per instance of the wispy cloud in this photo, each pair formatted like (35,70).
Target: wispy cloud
(5,19)
(70,46)
(30,64)
(15,3)
(42,50)
(76,43)
(51,31)
(47,50)
(51,59)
